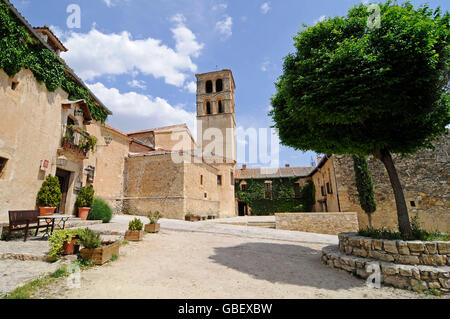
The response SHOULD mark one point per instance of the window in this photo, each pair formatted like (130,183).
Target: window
(208,107)
(219,85)
(201,179)
(220,107)
(322,190)
(206,195)
(209,87)
(329,190)
(2,165)
(297,190)
(219,179)
(243,187)
(232,178)
(268,190)
(413,204)
(70,134)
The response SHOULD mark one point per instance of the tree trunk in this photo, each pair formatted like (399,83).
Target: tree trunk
(369,216)
(404,224)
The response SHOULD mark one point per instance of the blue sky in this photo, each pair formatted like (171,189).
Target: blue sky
(140,57)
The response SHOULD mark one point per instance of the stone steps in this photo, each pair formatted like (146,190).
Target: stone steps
(418,278)
(262,224)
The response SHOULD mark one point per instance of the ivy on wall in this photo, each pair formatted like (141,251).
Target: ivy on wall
(19,50)
(283,196)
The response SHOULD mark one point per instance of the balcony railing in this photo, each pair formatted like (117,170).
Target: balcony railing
(77,140)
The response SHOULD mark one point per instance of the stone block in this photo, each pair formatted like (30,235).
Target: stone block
(378,244)
(416,246)
(418,285)
(405,271)
(403,248)
(416,273)
(444,248)
(431,248)
(390,247)
(354,242)
(407,260)
(434,260)
(362,273)
(366,243)
(379,255)
(360,252)
(389,270)
(445,283)
(434,285)
(348,250)
(397,281)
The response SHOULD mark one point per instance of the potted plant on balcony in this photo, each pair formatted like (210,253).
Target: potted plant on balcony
(64,242)
(153,226)
(49,196)
(84,201)
(135,232)
(95,250)
(191,217)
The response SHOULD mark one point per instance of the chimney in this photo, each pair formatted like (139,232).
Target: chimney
(319,159)
(287,165)
(244,166)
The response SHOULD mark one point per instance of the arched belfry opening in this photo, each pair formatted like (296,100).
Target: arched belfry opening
(220,107)
(209,86)
(219,85)
(208,108)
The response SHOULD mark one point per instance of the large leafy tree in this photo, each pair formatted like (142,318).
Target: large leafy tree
(353,89)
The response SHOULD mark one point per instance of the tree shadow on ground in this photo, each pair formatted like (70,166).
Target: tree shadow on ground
(284,263)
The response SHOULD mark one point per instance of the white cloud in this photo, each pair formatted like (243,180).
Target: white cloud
(94,54)
(191,87)
(224,27)
(108,3)
(320,19)
(131,104)
(265,7)
(265,65)
(137,84)
(220,6)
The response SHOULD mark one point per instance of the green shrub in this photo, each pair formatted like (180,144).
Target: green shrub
(90,239)
(418,234)
(100,210)
(154,217)
(58,238)
(85,197)
(189,215)
(135,224)
(264,207)
(49,194)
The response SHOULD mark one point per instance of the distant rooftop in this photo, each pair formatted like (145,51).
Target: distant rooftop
(261,173)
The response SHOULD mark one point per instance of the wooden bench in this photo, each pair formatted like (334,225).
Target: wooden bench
(23,220)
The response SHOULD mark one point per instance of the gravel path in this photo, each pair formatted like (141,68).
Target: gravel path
(180,265)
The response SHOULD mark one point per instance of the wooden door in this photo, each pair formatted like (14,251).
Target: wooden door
(64,178)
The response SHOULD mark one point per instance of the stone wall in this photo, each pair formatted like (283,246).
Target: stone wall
(321,223)
(425,177)
(401,252)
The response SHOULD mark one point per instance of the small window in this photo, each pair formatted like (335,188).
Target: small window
(221,110)
(208,107)
(322,190)
(297,190)
(244,187)
(201,179)
(413,204)
(2,165)
(206,195)
(14,85)
(219,85)
(232,178)
(329,190)
(268,190)
(219,179)
(209,87)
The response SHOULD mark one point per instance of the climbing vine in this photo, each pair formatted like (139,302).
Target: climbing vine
(283,196)
(19,50)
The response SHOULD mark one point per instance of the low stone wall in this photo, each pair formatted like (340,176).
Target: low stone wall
(401,252)
(321,223)
(418,278)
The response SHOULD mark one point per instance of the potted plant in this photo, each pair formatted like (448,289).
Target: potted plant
(95,250)
(64,242)
(153,226)
(49,196)
(191,217)
(84,201)
(135,232)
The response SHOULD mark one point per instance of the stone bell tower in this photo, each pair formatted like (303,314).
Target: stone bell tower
(216,111)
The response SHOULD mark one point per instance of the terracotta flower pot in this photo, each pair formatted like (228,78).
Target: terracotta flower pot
(152,228)
(83,212)
(70,248)
(46,211)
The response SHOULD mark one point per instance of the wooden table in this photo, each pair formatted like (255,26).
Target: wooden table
(50,220)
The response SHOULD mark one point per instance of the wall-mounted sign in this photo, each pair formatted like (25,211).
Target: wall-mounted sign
(45,164)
